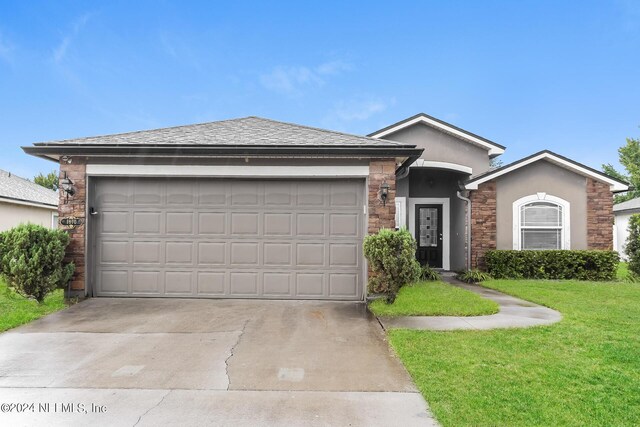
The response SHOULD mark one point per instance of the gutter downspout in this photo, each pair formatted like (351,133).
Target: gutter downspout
(468,200)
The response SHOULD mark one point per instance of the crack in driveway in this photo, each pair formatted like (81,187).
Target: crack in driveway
(231,353)
(153,407)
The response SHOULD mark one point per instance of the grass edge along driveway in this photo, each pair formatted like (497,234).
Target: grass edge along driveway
(584,370)
(435,298)
(16,310)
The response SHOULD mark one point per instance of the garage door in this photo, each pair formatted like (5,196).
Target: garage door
(214,238)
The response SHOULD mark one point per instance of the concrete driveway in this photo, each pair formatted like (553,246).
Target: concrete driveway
(198,362)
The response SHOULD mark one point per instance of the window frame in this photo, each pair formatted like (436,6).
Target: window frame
(565,238)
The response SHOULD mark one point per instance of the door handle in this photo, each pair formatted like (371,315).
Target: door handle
(92,211)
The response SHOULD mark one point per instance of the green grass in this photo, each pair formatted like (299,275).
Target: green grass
(623,271)
(584,370)
(16,310)
(434,299)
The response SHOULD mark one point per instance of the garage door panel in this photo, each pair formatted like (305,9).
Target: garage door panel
(113,282)
(148,192)
(343,255)
(146,282)
(179,222)
(276,284)
(245,223)
(147,252)
(244,284)
(178,282)
(180,193)
(147,222)
(343,285)
(211,253)
(310,224)
(114,222)
(309,284)
(278,224)
(223,238)
(245,253)
(179,253)
(212,223)
(211,283)
(278,193)
(116,252)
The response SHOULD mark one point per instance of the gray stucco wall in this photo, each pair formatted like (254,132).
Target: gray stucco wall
(441,184)
(539,177)
(12,215)
(442,147)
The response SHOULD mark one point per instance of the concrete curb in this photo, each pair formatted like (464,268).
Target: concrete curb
(513,313)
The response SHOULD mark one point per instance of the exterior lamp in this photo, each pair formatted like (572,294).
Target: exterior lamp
(384,192)
(67,186)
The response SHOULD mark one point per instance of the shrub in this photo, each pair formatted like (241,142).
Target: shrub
(553,264)
(428,274)
(473,276)
(392,258)
(632,247)
(31,260)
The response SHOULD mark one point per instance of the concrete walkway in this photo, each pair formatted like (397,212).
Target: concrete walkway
(514,313)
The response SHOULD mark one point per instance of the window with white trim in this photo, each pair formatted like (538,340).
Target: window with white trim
(541,221)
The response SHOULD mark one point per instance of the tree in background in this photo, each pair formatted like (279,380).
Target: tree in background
(630,159)
(49,180)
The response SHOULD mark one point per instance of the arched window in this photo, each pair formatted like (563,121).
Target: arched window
(541,221)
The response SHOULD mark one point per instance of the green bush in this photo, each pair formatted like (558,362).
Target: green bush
(553,264)
(632,248)
(31,260)
(392,258)
(473,276)
(428,274)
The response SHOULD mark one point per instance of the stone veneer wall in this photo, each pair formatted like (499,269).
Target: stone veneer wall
(483,222)
(599,215)
(75,206)
(380,216)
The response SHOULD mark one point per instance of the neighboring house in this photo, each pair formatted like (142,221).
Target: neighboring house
(255,208)
(622,212)
(22,201)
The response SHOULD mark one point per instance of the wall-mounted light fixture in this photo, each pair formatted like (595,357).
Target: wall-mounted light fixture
(384,192)
(66,185)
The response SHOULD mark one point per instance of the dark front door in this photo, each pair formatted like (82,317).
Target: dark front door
(429,235)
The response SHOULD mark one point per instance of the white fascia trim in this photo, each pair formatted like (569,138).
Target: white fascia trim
(25,203)
(566,217)
(227,171)
(446,232)
(615,185)
(421,163)
(493,150)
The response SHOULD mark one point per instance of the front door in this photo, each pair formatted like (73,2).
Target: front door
(429,235)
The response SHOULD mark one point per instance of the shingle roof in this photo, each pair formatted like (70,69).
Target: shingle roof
(15,188)
(248,131)
(633,204)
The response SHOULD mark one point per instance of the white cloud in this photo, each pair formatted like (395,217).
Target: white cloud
(359,108)
(292,80)
(60,51)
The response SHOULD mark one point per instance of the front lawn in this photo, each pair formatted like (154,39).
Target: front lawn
(434,299)
(623,271)
(16,310)
(584,370)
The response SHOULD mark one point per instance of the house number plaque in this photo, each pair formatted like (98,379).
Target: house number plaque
(71,221)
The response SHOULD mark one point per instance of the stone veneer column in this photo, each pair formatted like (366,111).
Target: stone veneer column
(483,222)
(380,216)
(599,215)
(75,206)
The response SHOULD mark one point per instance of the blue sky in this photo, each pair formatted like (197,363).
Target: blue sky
(527,74)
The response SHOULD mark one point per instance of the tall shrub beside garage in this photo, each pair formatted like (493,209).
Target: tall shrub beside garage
(632,248)
(31,260)
(392,259)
